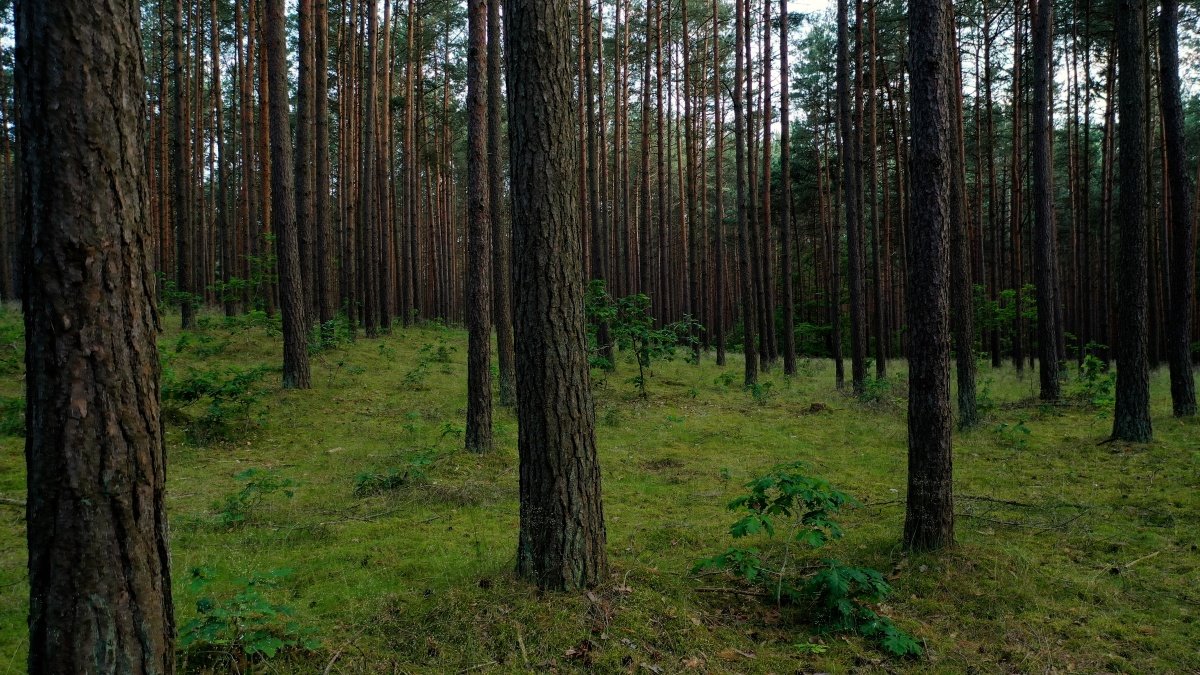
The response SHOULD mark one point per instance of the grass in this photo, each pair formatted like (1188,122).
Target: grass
(1071,554)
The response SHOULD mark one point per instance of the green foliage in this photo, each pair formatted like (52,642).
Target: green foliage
(876,390)
(725,379)
(245,624)
(201,345)
(1014,436)
(330,335)
(12,416)
(633,331)
(12,343)
(413,469)
(762,392)
(428,354)
(812,339)
(257,485)
(801,509)
(229,398)
(174,298)
(1096,384)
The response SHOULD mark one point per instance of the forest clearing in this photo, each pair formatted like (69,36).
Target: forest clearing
(1092,566)
(617,336)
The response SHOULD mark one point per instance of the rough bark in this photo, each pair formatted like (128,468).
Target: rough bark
(929,518)
(1183,240)
(561,543)
(479,235)
(99,565)
(1131,421)
(180,213)
(785,199)
(739,135)
(296,373)
(502,313)
(1045,261)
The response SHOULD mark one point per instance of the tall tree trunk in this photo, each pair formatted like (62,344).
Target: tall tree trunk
(180,211)
(961,289)
(562,538)
(1045,261)
(479,235)
(718,319)
(785,199)
(99,564)
(296,373)
(848,149)
(501,232)
(305,157)
(1183,240)
(598,229)
(326,281)
(1131,421)
(743,217)
(368,224)
(929,519)
(1016,208)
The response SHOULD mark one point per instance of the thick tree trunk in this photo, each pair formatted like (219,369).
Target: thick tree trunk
(99,565)
(1183,241)
(1131,421)
(929,520)
(479,235)
(296,373)
(562,538)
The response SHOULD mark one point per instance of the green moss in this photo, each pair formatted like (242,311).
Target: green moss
(420,577)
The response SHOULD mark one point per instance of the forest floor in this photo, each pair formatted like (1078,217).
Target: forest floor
(1071,555)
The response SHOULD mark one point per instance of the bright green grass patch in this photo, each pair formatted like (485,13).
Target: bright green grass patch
(1071,554)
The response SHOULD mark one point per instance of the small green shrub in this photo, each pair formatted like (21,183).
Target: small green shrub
(801,510)
(762,392)
(413,470)
(246,625)
(632,330)
(1014,436)
(257,485)
(12,416)
(228,397)
(1096,384)
(876,391)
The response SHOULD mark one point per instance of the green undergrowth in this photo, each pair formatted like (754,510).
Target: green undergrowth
(399,547)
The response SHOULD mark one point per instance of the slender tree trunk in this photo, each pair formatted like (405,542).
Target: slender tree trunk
(961,290)
(291,292)
(785,199)
(501,234)
(848,150)
(718,319)
(180,211)
(326,281)
(1016,208)
(929,520)
(305,157)
(562,538)
(1131,421)
(1183,241)
(99,564)
(1045,261)
(479,235)
(745,259)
